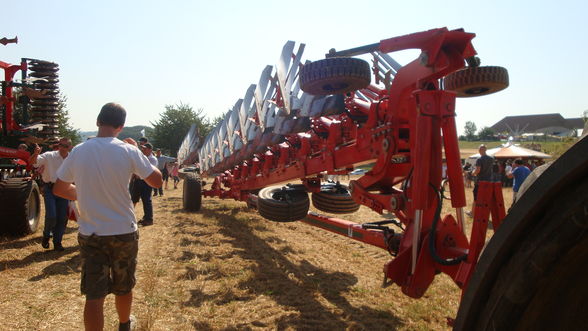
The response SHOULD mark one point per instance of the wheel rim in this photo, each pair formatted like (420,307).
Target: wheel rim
(32,209)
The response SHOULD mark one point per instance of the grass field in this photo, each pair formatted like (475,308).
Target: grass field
(226,268)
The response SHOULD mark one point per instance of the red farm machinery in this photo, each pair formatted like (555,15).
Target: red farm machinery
(29,114)
(309,120)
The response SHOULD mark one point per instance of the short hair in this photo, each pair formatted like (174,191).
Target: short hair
(112,114)
(482,146)
(65,139)
(519,162)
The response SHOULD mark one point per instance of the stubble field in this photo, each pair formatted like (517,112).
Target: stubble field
(225,268)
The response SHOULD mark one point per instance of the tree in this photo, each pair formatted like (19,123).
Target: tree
(63,126)
(486,133)
(470,130)
(174,123)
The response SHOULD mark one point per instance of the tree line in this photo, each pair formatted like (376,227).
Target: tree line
(486,133)
(167,133)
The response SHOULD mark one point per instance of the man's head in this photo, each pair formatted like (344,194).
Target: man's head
(147,149)
(22,147)
(143,141)
(518,162)
(158,152)
(482,149)
(112,115)
(64,146)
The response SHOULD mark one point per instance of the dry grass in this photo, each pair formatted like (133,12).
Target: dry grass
(225,268)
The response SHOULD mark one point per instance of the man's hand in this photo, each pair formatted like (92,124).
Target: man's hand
(130,141)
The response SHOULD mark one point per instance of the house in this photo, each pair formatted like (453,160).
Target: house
(548,124)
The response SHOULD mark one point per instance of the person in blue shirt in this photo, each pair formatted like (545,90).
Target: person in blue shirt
(519,173)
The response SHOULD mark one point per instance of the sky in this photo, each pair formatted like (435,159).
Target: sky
(149,54)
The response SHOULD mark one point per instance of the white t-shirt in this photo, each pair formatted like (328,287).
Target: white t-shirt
(101,169)
(152,159)
(52,161)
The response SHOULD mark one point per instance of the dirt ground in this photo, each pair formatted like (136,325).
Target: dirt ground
(225,268)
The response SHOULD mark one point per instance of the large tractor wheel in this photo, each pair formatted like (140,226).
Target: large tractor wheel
(283,204)
(192,192)
(20,206)
(335,199)
(337,75)
(477,81)
(531,275)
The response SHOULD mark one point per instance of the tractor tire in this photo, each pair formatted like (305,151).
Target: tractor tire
(283,204)
(337,75)
(192,193)
(20,206)
(531,274)
(477,81)
(334,199)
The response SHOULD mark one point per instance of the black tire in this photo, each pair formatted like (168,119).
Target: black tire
(192,193)
(20,206)
(283,204)
(334,199)
(477,81)
(337,75)
(531,274)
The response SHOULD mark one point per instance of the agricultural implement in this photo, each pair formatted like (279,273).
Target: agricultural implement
(29,113)
(309,120)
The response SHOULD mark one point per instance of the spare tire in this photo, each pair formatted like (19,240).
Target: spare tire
(335,199)
(477,81)
(283,204)
(337,75)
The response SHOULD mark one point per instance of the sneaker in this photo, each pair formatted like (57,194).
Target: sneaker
(45,242)
(145,222)
(128,326)
(58,248)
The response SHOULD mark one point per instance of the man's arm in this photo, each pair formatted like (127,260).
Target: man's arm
(477,171)
(154,180)
(65,190)
(33,159)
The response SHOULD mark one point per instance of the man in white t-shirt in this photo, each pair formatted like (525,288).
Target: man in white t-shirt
(55,207)
(101,169)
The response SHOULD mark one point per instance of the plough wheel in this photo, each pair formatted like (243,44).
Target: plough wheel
(335,199)
(477,81)
(336,75)
(192,193)
(21,206)
(280,204)
(531,275)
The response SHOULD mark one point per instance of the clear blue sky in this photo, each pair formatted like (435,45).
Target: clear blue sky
(148,54)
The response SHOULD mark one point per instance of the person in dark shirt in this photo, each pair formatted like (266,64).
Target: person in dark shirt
(483,171)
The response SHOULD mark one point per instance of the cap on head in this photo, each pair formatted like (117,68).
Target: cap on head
(143,140)
(148,146)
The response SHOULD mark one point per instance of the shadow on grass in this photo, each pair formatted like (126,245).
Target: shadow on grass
(42,256)
(15,242)
(67,267)
(289,284)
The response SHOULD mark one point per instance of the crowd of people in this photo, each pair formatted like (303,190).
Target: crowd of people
(510,173)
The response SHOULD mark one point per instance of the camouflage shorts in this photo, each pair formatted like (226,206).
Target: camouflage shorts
(108,264)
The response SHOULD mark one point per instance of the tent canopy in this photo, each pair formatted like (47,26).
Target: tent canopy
(512,152)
